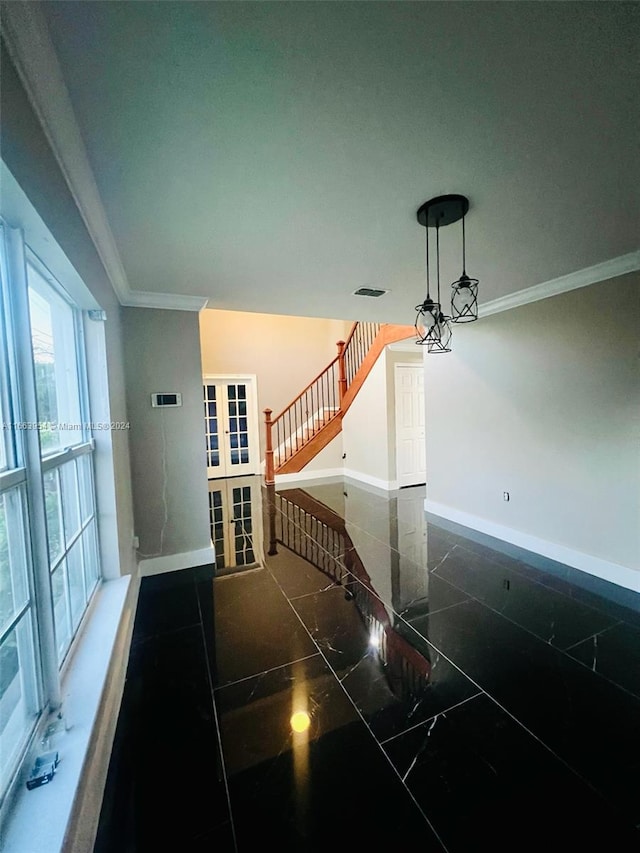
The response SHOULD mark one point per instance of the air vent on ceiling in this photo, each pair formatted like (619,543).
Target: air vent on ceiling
(369,291)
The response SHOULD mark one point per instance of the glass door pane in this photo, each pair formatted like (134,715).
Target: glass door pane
(231,427)
(238,430)
(235,513)
(211,430)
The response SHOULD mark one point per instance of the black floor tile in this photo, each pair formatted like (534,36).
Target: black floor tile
(609,598)
(505,696)
(298,576)
(548,614)
(218,840)
(255,714)
(165,602)
(396,682)
(332,793)
(485,783)
(167,785)
(255,627)
(614,654)
(590,724)
(601,602)
(309,789)
(439,595)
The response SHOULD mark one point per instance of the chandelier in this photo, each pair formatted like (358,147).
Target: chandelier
(433,326)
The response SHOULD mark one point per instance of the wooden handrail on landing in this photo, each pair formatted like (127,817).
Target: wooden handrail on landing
(313,409)
(314,417)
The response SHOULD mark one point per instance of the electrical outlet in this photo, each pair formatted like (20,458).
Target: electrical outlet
(505,496)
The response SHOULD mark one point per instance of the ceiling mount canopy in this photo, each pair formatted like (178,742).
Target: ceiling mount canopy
(442,210)
(433,327)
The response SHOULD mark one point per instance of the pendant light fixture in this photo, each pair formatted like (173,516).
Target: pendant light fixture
(433,327)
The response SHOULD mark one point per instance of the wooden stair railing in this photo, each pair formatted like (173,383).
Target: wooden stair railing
(328,546)
(314,418)
(315,407)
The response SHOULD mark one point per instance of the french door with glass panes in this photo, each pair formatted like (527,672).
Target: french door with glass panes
(235,516)
(231,426)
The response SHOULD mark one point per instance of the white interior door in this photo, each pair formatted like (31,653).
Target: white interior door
(410,437)
(235,517)
(412,584)
(231,426)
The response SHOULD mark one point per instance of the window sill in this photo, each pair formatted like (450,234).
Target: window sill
(64,813)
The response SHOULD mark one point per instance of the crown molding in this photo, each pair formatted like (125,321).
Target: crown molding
(26,36)
(170,301)
(580,278)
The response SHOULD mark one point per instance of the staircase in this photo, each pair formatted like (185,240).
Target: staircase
(314,417)
(327,546)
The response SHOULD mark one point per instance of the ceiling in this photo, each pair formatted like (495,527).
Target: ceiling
(271,156)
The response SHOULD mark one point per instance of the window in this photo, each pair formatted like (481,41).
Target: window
(48,523)
(54,342)
(20,693)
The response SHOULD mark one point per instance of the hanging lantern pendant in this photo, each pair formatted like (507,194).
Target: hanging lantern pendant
(432,325)
(464,292)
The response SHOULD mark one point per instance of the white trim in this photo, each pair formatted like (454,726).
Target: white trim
(612,572)
(40,244)
(25,31)
(11,478)
(82,826)
(385,485)
(173,562)
(254,422)
(232,377)
(302,476)
(324,473)
(170,301)
(414,478)
(580,278)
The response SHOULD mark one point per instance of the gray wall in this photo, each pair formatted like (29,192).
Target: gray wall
(543,401)
(162,353)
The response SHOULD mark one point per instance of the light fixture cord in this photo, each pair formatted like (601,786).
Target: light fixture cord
(464,253)
(438,258)
(426,228)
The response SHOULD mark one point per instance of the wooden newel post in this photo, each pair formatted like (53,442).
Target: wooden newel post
(269,476)
(342,373)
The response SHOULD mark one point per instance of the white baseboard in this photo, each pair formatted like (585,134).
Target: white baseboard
(304,475)
(603,569)
(326,473)
(385,485)
(173,562)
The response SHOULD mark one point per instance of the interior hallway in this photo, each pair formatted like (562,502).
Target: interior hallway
(457,697)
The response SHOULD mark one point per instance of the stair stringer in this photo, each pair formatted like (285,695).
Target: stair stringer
(388,334)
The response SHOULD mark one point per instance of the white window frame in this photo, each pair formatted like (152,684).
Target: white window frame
(25,468)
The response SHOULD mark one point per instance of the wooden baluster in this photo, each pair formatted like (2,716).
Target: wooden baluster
(273,538)
(342,374)
(269,476)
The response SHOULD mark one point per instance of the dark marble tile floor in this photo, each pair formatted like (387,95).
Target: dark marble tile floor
(375,677)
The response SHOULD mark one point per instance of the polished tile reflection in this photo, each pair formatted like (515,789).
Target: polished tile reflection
(352,670)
